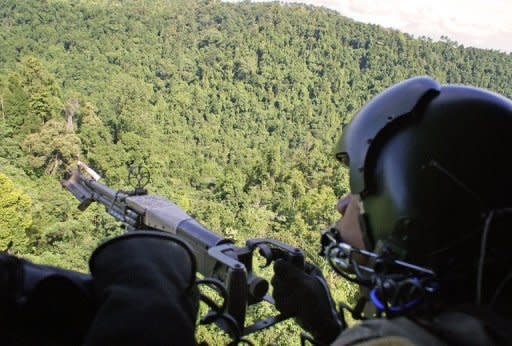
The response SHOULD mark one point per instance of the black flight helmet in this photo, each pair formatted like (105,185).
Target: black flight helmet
(430,163)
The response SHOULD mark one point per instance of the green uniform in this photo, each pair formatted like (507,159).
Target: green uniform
(449,328)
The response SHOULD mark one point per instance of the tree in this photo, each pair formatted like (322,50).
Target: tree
(41,88)
(15,215)
(52,148)
(17,108)
(92,131)
(70,108)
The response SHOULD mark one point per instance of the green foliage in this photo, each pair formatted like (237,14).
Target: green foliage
(52,148)
(40,87)
(234,108)
(15,215)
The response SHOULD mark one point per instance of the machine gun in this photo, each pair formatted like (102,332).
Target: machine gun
(226,268)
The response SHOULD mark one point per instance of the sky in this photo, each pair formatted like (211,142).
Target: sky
(473,23)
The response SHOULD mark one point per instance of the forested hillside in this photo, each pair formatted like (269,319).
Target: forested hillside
(234,109)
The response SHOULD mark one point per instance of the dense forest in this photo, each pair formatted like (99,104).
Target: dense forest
(233,108)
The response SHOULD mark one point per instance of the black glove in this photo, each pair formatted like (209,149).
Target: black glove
(304,294)
(42,305)
(145,283)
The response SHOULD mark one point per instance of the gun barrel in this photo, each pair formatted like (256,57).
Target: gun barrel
(162,214)
(73,185)
(103,193)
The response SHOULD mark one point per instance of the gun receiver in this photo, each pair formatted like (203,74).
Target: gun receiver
(225,267)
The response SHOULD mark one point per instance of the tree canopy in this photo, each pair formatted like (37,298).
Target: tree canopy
(234,109)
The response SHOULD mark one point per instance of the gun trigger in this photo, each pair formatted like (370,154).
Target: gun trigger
(267,253)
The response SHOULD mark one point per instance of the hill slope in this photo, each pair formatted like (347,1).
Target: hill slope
(234,108)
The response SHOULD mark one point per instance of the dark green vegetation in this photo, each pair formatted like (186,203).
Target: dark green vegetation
(234,108)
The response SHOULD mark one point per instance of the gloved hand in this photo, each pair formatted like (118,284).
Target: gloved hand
(304,294)
(145,283)
(42,305)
